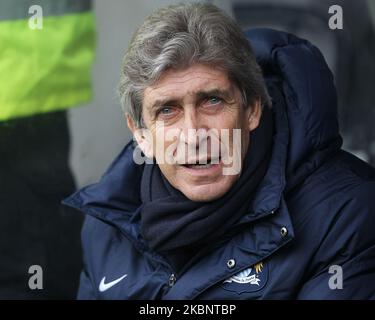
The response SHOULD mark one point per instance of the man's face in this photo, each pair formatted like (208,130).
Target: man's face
(201,98)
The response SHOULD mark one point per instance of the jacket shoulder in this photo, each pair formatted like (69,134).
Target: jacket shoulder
(333,210)
(343,187)
(335,217)
(342,178)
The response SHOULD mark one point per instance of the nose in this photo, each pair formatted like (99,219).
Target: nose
(192,142)
(191,124)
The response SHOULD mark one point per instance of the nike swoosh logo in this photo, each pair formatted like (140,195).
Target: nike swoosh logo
(105,286)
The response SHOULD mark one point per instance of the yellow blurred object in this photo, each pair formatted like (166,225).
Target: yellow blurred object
(48,69)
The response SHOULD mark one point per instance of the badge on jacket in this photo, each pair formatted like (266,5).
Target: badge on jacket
(248,280)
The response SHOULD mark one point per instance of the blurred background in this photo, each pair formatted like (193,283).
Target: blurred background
(95,127)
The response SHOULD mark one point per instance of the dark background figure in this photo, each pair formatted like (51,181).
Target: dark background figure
(35,229)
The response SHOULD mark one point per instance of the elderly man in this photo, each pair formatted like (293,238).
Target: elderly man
(236,186)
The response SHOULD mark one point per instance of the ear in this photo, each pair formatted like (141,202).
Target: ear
(254,114)
(142,136)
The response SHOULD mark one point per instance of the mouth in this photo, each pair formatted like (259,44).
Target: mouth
(198,166)
(209,167)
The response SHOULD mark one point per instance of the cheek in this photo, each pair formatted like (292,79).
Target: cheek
(231,118)
(169,171)
(226,120)
(165,144)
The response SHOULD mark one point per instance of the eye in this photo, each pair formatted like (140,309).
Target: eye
(165,110)
(212,104)
(214,101)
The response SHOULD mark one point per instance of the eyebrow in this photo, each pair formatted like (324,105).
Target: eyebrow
(226,94)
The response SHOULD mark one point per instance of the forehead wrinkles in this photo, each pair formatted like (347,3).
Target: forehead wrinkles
(197,78)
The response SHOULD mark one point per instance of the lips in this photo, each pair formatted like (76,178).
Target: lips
(200,170)
(201,163)
(198,166)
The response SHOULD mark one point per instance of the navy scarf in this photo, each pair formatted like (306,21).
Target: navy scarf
(170,222)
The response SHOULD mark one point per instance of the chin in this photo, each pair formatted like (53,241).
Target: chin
(205,192)
(200,185)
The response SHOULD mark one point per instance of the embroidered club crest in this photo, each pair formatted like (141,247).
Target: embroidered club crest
(248,280)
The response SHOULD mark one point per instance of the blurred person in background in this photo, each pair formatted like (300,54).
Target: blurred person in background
(45,69)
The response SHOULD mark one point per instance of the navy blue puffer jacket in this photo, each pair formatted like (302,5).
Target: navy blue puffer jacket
(312,220)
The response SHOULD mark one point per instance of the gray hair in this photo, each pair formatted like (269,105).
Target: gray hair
(177,36)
